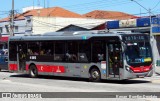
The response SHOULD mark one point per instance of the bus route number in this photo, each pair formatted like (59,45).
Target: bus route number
(33,57)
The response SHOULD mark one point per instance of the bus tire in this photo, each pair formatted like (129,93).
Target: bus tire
(95,75)
(33,72)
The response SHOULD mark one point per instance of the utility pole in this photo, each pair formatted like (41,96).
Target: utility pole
(12,20)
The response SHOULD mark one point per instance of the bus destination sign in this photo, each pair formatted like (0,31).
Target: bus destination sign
(134,38)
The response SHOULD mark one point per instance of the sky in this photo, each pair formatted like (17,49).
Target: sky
(85,6)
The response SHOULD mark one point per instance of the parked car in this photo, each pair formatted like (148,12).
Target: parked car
(3,60)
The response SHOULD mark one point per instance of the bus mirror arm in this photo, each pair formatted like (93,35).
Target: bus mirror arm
(124,46)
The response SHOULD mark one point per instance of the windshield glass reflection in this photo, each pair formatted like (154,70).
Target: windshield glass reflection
(138,53)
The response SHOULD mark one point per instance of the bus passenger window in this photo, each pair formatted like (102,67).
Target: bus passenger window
(100,57)
(59,51)
(42,52)
(29,51)
(72,50)
(82,57)
(33,47)
(13,49)
(84,51)
(48,52)
(46,48)
(98,51)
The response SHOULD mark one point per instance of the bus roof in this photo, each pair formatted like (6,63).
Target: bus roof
(78,35)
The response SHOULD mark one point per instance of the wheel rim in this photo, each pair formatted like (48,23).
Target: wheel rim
(33,71)
(95,74)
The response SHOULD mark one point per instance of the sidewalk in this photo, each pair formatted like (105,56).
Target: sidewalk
(154,79)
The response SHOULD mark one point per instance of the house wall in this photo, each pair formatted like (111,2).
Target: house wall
(51,24)
(24,27)
(40,25)
(2,25)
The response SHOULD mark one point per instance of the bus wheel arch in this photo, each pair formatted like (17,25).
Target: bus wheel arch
(33,71)
(94,74)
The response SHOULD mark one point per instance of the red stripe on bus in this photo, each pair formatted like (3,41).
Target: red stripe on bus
(13,67)
(50,68)
(27,67)
(141,69)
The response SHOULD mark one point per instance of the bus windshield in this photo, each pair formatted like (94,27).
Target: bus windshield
(138,53)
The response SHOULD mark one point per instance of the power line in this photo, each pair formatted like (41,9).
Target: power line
(99,4)
(51,24)
(156,5)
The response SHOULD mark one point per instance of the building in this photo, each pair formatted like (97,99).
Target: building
(24,23)
(53,24)
(83,27)
(113,15)
(41,20)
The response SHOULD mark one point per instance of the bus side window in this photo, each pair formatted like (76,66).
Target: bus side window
(98,51)
(84,51)
(72,50)
(82,57)
(33,48)
(29,51)
(13,51)
(46,48)
(59,51)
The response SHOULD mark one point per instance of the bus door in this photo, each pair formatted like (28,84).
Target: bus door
(113,57)
(21,57)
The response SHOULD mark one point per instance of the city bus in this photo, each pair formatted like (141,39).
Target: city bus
(95,55)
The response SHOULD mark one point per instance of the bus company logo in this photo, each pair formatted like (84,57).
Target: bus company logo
(21,95)
(6,95)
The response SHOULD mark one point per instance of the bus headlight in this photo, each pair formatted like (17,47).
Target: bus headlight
(127,68)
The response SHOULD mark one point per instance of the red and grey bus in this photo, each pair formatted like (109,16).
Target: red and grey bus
(88,54)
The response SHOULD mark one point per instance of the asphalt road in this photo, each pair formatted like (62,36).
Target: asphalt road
(13,82)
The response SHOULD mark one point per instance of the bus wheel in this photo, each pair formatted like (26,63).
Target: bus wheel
(33,72)
(95,75)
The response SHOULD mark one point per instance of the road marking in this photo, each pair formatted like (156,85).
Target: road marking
(6,80)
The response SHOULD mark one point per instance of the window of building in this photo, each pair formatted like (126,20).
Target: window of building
(1,31)
(28,21)
(7,28)
(15,28)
